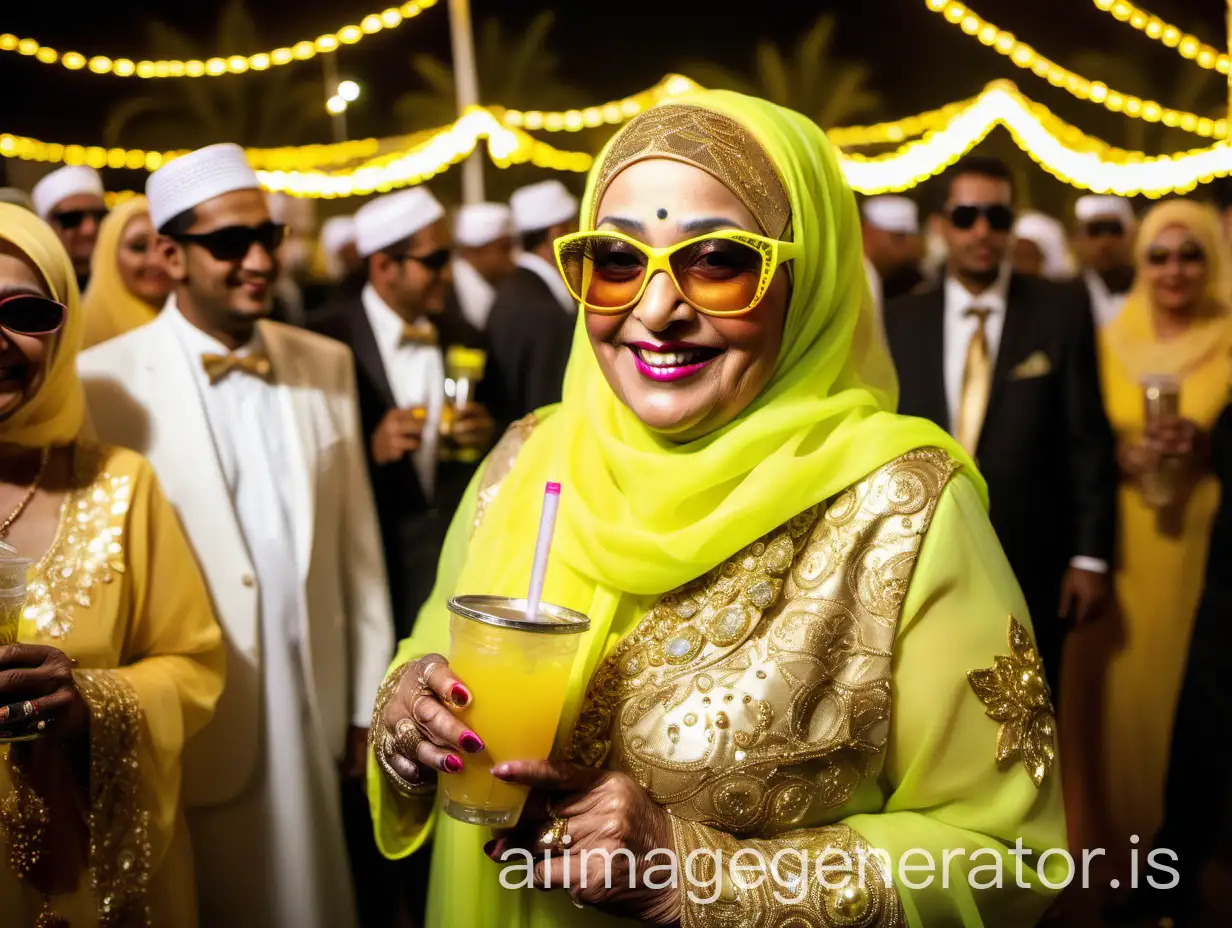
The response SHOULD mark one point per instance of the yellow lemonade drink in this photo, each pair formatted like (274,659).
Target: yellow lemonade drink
(518,673)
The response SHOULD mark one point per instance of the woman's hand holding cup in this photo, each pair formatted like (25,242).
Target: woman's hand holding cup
(425,735)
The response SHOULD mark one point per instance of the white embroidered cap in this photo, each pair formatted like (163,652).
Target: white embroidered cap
(542,205)
(1094,206)
(479,223)
(1050,237)
(893,214)
(69,181)
(196,177)
(336,233)
(394,217)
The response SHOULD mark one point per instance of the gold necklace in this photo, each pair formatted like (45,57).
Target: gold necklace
(25,500)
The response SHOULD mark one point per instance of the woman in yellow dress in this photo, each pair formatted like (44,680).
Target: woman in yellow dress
(120,659)
(804,635)
(1175,324)
(128,284)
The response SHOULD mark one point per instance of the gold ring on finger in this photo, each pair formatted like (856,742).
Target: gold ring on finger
(556,835)
(424,671)
(407,738)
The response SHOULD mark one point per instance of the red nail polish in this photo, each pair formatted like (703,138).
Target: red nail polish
(460,695)
(452,763)
(470,742)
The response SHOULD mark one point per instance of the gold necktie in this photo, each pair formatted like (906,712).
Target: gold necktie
(419,332)
(976,382)
(218,366)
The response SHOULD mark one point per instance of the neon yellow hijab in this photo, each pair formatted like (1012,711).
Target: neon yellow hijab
(641,515)
(109,307)
(1131,335)
(54,415)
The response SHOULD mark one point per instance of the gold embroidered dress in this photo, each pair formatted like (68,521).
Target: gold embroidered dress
(119,592)
(801,634)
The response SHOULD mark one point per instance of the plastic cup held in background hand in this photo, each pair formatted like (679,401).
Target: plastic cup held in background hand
(517,670)
(14,570)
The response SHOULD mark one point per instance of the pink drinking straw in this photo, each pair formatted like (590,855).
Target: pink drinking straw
(543,546)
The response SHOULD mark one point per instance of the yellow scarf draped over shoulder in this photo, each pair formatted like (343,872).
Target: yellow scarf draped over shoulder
(641,515)
(54,415)
(110,308)
(1131,335)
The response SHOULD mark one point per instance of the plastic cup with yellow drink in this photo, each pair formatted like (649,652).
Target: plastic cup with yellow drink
(515,655)
(14,569)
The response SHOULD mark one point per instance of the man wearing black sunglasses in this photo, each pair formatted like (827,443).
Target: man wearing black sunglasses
(252,427)
(1103,241)
(70,200)
(1007,364)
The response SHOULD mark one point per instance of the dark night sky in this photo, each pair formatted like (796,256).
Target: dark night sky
(612,48)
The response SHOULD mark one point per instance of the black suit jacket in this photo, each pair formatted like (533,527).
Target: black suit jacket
(412,527)
(530,336)
(1046,449)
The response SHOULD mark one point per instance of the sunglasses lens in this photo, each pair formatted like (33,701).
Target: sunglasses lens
(437,260)
(964,217)
(1109,227)
(1000,218)
(1157,256)
(31,315)
(1191,254)
(603,272)
(719,275)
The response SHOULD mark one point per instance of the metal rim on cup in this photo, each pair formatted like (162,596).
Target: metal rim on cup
(484,609)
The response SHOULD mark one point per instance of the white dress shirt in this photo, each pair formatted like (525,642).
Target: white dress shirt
(550,275)
(959,328)
(1105,305)
(475,294)
(416,375)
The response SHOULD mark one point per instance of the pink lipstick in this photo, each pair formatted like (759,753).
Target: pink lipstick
(671,361)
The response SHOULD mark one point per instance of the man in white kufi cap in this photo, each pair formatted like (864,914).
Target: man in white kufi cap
(1103,240)
(531,325)
(483,234)
(252,428)
(1041,247)
(337,242)
(404,238)
(893,247)
(70,199)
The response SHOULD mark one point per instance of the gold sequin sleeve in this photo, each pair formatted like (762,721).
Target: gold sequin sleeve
(172,664)
(820,877)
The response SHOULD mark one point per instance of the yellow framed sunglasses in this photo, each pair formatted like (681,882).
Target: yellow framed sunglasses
(724,273)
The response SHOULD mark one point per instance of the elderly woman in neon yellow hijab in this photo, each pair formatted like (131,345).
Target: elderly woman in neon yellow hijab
(128,284)
(805,644)
(118,659)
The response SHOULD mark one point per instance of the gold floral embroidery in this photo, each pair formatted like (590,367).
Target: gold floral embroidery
(88,548)
(1016,693)
(830,877)
(500,463)
(119,827)
(756,699)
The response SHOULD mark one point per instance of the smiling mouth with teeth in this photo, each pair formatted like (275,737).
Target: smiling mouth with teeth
(662,365)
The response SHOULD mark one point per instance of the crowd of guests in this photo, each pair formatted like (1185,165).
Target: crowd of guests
(233,519)
(1086,367)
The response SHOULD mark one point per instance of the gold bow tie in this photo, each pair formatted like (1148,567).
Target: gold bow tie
(218,366)
(420,332)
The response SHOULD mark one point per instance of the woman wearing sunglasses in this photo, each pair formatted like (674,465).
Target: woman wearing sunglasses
(119,658)
(795,595)
(1176,327)
(128,283)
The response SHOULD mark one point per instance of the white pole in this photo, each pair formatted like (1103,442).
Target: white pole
(466,79)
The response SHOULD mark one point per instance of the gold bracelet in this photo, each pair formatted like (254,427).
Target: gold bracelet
(381,740)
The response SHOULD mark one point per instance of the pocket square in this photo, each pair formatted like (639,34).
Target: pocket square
(1036,365)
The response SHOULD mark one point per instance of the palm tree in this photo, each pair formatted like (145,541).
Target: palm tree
(516,73)
(267,109)
(809,78)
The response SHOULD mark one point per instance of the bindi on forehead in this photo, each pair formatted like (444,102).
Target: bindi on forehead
(661,213)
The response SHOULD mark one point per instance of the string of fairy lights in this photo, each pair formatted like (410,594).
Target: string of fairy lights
(1188,46)
(927,142)
(1027,58)
(302,50)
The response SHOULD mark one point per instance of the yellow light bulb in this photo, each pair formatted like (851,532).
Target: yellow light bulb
(325,43)
(259,62)
(28,47)
(123,67)
(215,66)
(1206,58)
(391,18)
(146,69)
(74,61)
(1005,42)
(281,56)
(1121,11)
(1188,47)
(336,105)
(47,55)
(237,64)
(1171,36)
(100,65)
(302,51)
(1098,92)
(371,24)
(971,24)
(1154,27)
(8,42)
(349,35)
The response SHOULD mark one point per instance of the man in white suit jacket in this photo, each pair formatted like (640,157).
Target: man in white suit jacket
(253,429)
